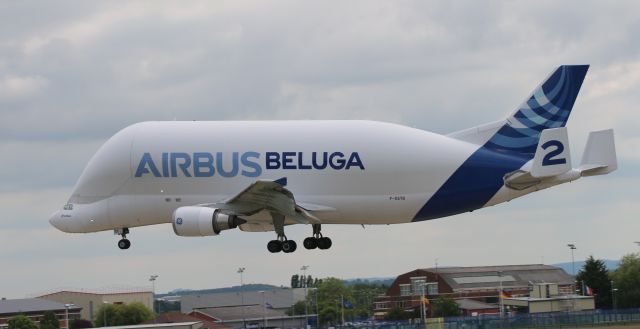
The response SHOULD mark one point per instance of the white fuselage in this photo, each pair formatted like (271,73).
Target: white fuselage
(396,171)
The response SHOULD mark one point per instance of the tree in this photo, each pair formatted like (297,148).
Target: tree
(296,309)
(309,281)
(122,314)
(595,275)
(397,313)
(626,281)
(21,322)
(444,307)
(49,321)
(295,281)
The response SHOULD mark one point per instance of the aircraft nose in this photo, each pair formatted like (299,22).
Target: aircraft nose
(56,221)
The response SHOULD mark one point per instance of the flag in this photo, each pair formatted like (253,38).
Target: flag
(504,294)
(269,306)
(588,290)
(425,300)
(347,304)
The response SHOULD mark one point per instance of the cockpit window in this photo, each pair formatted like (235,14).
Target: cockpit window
(68,206)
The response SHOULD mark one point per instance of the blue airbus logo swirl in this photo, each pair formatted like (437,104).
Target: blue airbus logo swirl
(548,107)
(480,177)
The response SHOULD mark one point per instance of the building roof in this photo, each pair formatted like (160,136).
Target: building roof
(158,325)
(232,313)
(96,293)
(470,304)
(511,276)
(28,305)
(277,298)
(177,317)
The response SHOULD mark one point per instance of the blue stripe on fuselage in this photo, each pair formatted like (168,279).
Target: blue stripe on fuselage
(473,184)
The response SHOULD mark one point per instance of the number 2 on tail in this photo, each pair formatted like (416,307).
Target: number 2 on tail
(558,148)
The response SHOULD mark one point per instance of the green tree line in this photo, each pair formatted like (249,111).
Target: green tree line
(620,287)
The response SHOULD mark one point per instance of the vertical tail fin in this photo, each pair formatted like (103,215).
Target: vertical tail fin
(548,106)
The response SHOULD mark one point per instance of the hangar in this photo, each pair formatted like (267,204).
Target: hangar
(469,286)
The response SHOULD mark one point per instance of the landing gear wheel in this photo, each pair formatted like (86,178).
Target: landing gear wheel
(274,246)
(310,243)
(324,243)
(289,246)
(124,244)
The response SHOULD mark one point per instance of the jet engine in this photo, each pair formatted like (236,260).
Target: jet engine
(202,221)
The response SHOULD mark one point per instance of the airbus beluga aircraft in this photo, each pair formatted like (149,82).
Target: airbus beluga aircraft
(207,177)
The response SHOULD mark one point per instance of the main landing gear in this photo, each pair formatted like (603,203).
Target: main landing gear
(317,240)
(281,243)
(124,243)
(285,245)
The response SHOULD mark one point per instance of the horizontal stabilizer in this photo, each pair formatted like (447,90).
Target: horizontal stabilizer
(599,156)
(552,154)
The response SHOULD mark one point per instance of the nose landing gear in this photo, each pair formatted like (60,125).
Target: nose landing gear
(123,243)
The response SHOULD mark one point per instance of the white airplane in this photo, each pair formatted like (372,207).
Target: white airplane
(206,177)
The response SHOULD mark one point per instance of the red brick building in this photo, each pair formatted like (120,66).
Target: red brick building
(480,284)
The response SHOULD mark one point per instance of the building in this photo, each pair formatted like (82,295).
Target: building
(177,317)
(470,307)
(34,309)
(278,299)
(178,325)
(253,316)
(92,301)
(546,297)
(474,284)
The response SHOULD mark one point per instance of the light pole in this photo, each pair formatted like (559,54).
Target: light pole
(613,295)
(153,278)
(264,307)
(637,242)
(104,312)
(306,310)
(241,271)
(66,314)
(573,268)
(573,272)
(315,293)
(423,307)
(501,301)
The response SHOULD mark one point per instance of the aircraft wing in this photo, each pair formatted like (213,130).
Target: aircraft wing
(268,195)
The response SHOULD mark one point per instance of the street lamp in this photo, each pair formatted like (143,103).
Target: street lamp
(264,307)
(501,301)
(637,242)
(315,293)
(66,314)
(104,312)
(241,271)
(153,278)
(423,307)
(306,311)
(613,295)
(573,268)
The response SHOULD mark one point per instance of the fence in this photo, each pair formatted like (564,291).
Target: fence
(580,319)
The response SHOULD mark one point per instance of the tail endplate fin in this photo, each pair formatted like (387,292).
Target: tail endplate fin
(552,155)
(599,156)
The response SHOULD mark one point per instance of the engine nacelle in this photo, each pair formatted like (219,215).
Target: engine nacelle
(202,221)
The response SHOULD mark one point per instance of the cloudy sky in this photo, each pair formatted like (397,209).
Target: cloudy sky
(72,74)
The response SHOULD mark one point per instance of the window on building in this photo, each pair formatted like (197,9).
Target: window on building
(405,289)
(416,285)
(432,288)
